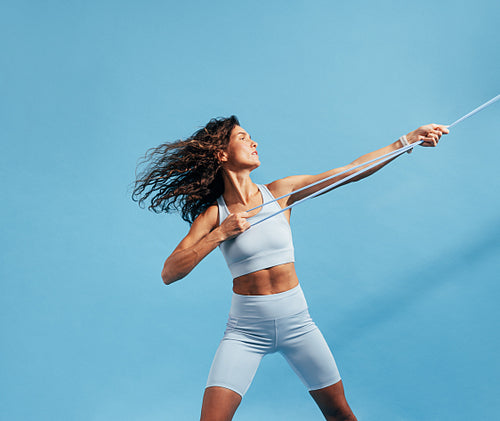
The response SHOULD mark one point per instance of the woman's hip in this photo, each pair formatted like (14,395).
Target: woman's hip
(268,307)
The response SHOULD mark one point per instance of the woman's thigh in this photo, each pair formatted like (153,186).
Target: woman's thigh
(234,365)
(240,351)
(233,368)
(305,349)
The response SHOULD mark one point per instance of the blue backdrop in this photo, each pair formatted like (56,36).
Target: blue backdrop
(400,270)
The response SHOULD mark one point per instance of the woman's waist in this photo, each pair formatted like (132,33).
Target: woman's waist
(270,306)
(267,281)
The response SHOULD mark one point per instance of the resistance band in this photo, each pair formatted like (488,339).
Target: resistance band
(373,162)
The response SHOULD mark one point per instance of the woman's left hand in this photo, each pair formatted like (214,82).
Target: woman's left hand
(430,134)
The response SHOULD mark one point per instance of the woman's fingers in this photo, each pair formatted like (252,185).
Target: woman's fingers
(428,134)
(431,139)
(240,222)
(441,127)
(235,224)
(432,133)
(243,220)
(429,142)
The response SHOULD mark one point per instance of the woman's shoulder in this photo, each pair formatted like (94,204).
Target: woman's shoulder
(209,218)
(280,187)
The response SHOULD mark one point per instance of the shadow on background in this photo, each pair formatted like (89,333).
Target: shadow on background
(419,284)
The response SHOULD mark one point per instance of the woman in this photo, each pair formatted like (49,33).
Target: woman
(207,176)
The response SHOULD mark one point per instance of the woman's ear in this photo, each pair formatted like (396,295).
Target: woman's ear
(222,156)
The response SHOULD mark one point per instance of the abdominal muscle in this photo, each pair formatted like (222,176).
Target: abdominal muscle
(268,281)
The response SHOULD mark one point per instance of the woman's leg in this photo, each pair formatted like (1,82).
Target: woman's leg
(219,404)
(233,368)
(332,402)
(307,352)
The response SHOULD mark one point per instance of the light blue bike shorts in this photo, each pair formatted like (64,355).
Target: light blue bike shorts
(264,324)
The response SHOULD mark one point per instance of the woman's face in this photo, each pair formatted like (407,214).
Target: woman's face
(241,152)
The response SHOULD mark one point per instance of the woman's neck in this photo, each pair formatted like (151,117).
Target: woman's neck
(238,187)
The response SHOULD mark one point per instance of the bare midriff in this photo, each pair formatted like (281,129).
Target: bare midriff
(268,281)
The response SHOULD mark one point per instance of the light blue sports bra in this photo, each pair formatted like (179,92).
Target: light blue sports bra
(262,246)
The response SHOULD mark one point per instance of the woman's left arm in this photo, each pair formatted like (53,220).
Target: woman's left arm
(429,134)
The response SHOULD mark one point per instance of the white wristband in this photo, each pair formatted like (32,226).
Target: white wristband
(405,142)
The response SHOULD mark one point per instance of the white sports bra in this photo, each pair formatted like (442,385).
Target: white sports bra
(262,246)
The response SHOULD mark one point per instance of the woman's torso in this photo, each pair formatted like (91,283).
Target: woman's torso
(281,275)
(268,281)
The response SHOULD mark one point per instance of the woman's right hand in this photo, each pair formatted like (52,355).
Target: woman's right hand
(203,236)
(234,225)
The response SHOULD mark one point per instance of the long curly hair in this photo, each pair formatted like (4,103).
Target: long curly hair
(185,175)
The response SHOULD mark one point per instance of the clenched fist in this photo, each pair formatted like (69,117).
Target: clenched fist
(429,134)
(234,224)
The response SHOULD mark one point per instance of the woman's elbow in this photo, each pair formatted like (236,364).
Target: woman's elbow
(169,277)
(166,275)
(167,280)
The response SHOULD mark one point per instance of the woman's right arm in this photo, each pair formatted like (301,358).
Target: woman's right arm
(203,237)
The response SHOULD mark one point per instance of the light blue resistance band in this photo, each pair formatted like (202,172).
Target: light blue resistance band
(374,162)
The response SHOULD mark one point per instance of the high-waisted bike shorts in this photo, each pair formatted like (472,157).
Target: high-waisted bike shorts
(264,324)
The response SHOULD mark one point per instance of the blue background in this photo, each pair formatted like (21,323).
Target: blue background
(400,270)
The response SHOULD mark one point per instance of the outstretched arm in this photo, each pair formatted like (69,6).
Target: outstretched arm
(430,134)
